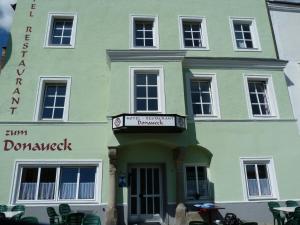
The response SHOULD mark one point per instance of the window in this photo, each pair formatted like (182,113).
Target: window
(244,34)
(145,32)
(204,96)
(196,183)
(61,30)
(147,91)
(261,98)
(56,182)
(259,178)
(193,33)
(53,99)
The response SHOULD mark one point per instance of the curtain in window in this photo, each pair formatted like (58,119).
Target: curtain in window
(27,191)
(253,187)
(86,190)
(264,187)
(68,190)
(46,190)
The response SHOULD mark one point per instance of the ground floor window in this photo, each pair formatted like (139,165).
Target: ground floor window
(259,178)
(196,182)
(56,182)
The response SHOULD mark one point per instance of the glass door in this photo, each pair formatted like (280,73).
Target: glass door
(145,193)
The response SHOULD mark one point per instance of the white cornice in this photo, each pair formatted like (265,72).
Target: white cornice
(284,7)
(145,55)
(235,63)
(194,62)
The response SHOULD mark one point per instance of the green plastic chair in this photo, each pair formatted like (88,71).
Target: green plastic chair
(53,216)
(18,208)
(296,216)
(277,217)
(197,223)
(75,218)
(2,216)
(3,208)
(29,220)
(249,223)
(64,211)
(295,220)
(291,203)
(91,220)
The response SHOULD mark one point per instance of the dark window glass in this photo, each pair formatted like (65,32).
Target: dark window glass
(68,183)
(61,31)
(28,184)
(47,183)
(87,183)
(53,101)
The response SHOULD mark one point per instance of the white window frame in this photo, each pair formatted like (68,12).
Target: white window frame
(215,96)
(161,91)
(274,114)
(19,164)
(269,162)
(133,18)
(253,29)
(185,185)
(60,15)
(204,37)
(40,96)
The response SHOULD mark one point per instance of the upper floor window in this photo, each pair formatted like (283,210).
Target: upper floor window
(260,180)
(261,97)
(61,30)
(53,99)
(204,96)
(193,33)
(147,91)
(244,34)
(196,182)
(144,32)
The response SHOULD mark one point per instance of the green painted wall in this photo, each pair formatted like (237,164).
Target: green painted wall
(100,89)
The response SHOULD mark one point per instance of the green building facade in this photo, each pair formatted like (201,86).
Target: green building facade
(141,109)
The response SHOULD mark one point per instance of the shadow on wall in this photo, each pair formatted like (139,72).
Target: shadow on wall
(288,81)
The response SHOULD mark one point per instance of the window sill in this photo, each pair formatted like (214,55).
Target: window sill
(208,117)
(271,117)
(247,49)
(261,199)
(195,49)
(145,48)
(59,46)
(52,121)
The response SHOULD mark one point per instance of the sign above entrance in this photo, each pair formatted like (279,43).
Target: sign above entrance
(148,123)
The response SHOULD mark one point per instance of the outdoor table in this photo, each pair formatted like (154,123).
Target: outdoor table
(208,211)
(10,214)
(285,209)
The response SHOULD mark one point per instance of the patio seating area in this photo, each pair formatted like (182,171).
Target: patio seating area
(65,216)
(288,214)
(16,214)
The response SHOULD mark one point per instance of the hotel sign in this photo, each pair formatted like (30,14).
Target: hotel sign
(145,123)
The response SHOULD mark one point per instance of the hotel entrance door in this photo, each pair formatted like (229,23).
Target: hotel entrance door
(145,194)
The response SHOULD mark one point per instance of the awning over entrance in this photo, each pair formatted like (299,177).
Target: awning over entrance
(148,123)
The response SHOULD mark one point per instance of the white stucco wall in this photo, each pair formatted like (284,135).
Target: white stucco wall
(286,24)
